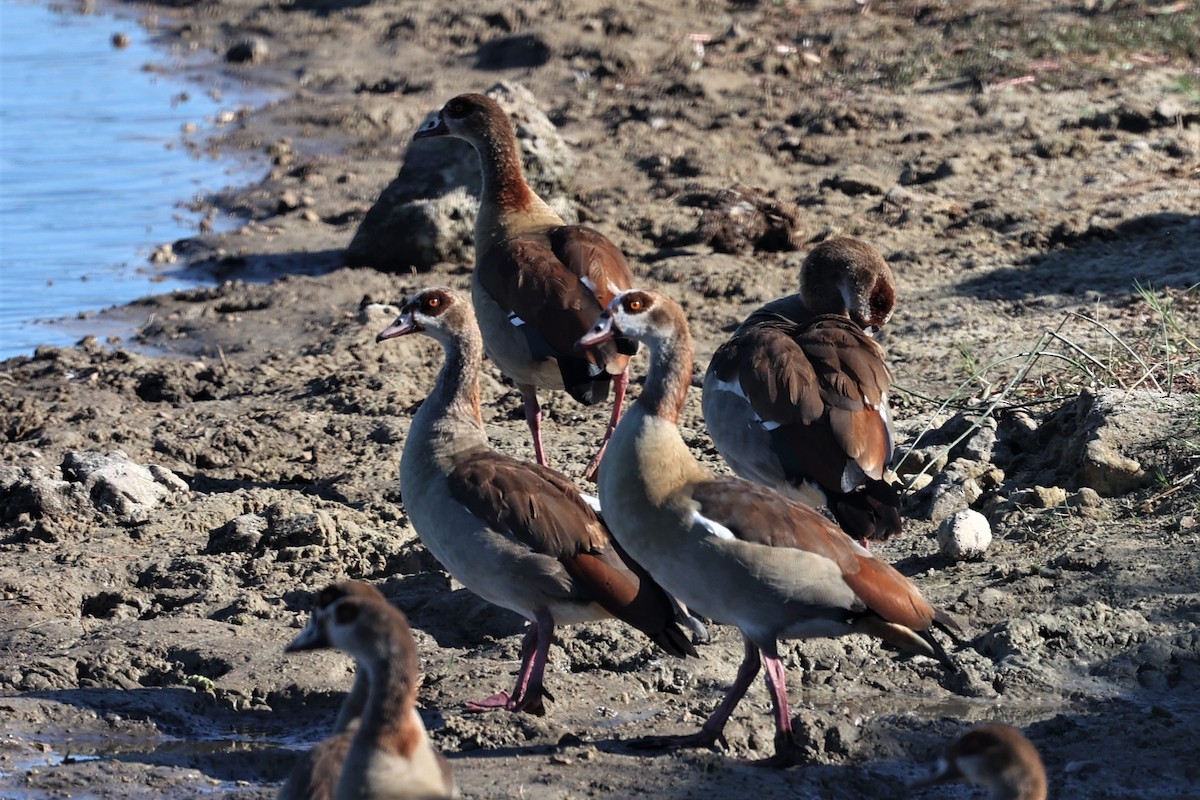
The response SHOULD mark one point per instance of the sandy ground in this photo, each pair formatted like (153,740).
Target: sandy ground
(1022,166)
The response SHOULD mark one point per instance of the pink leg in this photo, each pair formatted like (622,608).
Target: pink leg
(787,752)
(620,385)
(533,415)
(528,693)
(712,731)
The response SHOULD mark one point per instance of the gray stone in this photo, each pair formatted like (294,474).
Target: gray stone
(239,535)
(965,534)
(117,485)
(426,215)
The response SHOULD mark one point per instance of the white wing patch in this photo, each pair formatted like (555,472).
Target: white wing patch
(715,528)
(589,283)
(735,388)
(515,320)
(592,501)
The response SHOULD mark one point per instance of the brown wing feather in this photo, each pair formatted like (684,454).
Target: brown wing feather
(760,515)
(536,505)
(889,594)
(630,595)
(528,276)
(543,510)
(590,254)
(756,514)
(314,775)
(824,383)
(851,365)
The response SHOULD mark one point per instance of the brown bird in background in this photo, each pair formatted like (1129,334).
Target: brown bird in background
(797,399)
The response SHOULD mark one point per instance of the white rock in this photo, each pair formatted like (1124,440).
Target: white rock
(965,534)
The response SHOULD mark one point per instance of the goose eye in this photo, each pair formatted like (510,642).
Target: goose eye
(433,303)
(456,108)
(635,304)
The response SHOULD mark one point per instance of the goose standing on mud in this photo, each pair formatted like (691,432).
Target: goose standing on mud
(994,755)
(797,398)
(386,755)
(732,550)
(538,283)
(517,534)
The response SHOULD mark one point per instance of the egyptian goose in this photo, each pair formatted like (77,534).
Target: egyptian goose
(996,756)
(733,550)
(388,753)
(538,283)
(356,698)
(797,398)
(517,534)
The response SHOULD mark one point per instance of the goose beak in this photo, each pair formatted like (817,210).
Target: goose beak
(404,324)
(604,330)
(947,772)
(311,638)
(432,127)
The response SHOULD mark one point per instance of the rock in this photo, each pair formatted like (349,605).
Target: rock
(239,535)
(40,494)
(931,460)
(1085,498)
(964,535)
(117,485)
(522,50)
(1108,472)
(1041,497)
(1092,442)
(420,217)
(248,51)
(979,445)
(856,179)
(943,498)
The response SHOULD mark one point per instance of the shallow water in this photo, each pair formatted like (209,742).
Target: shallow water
(95,166)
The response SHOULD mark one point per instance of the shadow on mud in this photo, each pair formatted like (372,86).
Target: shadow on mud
(1159,250)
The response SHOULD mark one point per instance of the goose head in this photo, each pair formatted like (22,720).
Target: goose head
(435,312)
(472,117)
(634,314)
(848,276)
(996,756)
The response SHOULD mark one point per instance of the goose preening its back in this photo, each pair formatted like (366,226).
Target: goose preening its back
(797,399)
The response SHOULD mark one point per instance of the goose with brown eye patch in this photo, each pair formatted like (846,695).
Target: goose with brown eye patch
(538,283)
(517,534)
(735,551)
(994,755)
(797,399)
(387,755)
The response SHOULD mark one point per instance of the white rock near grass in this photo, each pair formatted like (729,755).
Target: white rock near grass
(965,534)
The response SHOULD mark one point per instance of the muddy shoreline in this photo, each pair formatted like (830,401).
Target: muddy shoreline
(168,502)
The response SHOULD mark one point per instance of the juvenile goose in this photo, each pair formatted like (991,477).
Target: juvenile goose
(388,754)
(538,283)
(315,773)
(996,756)
(356,698)
(797,398)
(519,535)
(730,549)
